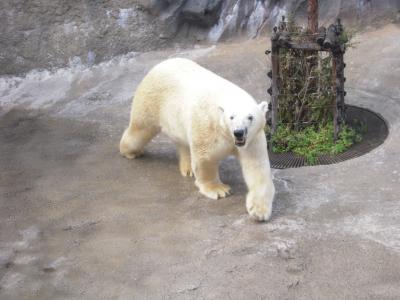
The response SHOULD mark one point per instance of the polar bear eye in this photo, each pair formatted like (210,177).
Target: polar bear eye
(250,118)
(231,117)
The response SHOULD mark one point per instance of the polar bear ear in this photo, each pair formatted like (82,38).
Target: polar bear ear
(264,107)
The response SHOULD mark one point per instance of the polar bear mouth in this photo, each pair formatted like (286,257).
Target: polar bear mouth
(240,142)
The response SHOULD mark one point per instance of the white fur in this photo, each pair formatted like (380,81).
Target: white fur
(200,111)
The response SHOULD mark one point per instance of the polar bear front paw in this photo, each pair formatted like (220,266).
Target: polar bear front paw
(214,190)
(260,210)
(185,169)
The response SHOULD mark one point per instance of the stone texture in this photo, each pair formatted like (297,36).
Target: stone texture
(78,221)
(46,34)
(50,34)
(201,13)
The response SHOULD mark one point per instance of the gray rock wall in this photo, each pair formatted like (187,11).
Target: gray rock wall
(56,33)
(53,33)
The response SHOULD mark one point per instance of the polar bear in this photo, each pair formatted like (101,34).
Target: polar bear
(208,118)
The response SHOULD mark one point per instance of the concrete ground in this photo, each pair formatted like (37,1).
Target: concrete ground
(78,221)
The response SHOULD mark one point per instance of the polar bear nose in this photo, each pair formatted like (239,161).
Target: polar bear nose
(238,133)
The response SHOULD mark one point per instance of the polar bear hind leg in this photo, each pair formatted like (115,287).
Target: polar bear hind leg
(134,139)
(207,179)
(185,166)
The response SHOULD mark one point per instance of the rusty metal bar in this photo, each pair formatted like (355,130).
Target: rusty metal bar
(338,84)
(313,29)
(313,16)
(275,81)
(304,45)
(341,92)
(338,78)
(335,98)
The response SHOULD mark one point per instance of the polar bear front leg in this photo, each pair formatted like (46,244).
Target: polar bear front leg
(185,164)
(207,178)
(257,174)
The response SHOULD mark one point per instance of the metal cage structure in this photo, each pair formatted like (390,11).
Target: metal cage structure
(310,43)
(309,48)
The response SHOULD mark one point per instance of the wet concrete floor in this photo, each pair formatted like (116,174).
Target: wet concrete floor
(78,221)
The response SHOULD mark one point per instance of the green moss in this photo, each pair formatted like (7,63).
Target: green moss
(311,142)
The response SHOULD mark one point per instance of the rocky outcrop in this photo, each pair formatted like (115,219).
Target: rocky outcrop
(55,33)
(252,18)
(201,13)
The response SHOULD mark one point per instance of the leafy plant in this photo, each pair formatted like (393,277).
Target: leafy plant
(313,141)
(306,101)
(306,94)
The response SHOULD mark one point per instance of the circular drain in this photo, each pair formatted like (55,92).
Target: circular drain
(375,133)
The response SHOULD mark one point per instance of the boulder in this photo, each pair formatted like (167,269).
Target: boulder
(201,12)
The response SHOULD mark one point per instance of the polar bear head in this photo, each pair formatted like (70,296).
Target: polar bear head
(244,122)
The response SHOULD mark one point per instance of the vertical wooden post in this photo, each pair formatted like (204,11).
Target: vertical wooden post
(338,51)
(335,97)
(275,81)
(313,16)
(312,56)
(338,77)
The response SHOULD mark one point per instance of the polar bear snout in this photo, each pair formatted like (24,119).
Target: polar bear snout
(240,137)
(238,133)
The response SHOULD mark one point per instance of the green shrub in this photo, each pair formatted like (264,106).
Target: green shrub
(313,141)
(306,102)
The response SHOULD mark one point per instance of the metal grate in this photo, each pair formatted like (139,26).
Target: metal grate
(376,132)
